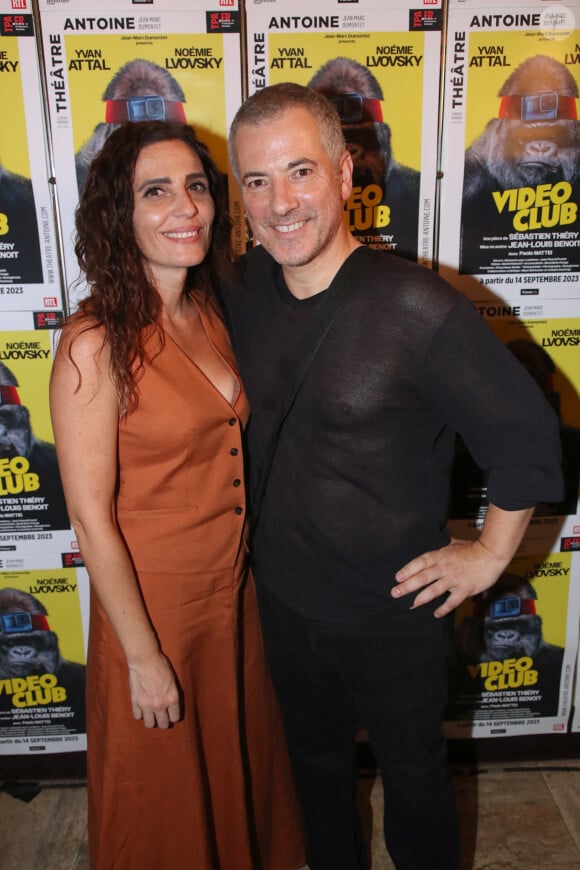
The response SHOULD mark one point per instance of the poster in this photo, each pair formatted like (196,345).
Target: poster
(545,338)
(35,532)
(510,190)
(31,496)
(514,652)
(380,67)
(42,662)
(167,59)
(29,272)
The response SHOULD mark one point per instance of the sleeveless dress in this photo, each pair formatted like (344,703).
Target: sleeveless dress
(214,792)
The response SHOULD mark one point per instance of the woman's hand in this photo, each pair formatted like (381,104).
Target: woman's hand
(154,692)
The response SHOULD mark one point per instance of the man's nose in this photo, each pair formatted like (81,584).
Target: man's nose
(284,197)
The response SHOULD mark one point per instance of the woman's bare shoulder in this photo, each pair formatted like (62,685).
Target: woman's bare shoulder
(82,337)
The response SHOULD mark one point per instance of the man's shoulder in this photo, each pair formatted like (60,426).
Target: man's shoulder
(404,281)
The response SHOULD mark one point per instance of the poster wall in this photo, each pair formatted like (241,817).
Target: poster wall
(509,239)
(43,584)
(528,625)
(381,70)
(168,59)
(501,224)
(29,268)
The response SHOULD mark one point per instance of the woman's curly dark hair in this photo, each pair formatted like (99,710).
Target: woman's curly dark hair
(123,300)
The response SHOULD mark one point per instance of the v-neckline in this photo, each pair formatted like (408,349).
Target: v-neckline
(237,385)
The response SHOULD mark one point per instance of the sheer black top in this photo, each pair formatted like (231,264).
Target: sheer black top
(360,480)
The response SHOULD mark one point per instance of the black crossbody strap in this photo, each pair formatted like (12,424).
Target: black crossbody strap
(314,335)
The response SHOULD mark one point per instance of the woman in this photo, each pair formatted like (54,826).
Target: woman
(185,765)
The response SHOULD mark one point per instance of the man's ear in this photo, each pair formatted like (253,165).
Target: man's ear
(345,170)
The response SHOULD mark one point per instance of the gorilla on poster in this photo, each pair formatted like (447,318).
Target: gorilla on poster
(357,96)
(139,91)
(522,173)
(34,676)
(501,655)
(31,495)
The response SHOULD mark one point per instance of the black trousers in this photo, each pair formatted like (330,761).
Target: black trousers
(391,676)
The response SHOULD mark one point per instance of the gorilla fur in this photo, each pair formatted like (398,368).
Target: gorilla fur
(345,76)
(18,206)
(137,78)
(372,164)
(369,143)
(512,153)
(484,639)
(29,653)
(35,653)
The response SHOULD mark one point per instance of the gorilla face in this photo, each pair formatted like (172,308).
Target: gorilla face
(139,91)
(529,154)
(15,431)
(369,145)
(32,654)
(536,138)
(513,637)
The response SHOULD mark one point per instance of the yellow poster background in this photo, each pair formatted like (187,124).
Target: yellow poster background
(402,86)
(553,592)
(64,614)
(203,88)
(550,334)
(17,352)
(13,138)
(484,82)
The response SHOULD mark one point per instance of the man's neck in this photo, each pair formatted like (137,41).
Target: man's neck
(312,278)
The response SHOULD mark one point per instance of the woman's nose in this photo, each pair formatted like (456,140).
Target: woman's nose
(185,202)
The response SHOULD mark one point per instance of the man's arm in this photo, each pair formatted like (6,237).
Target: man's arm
(464,568)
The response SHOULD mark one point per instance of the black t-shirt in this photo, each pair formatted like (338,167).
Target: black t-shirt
(360,479)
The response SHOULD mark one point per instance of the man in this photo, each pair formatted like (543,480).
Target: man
(357,575)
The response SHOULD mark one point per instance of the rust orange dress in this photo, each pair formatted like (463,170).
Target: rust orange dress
(213,792)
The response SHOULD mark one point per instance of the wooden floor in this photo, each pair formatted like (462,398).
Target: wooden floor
(525,816)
